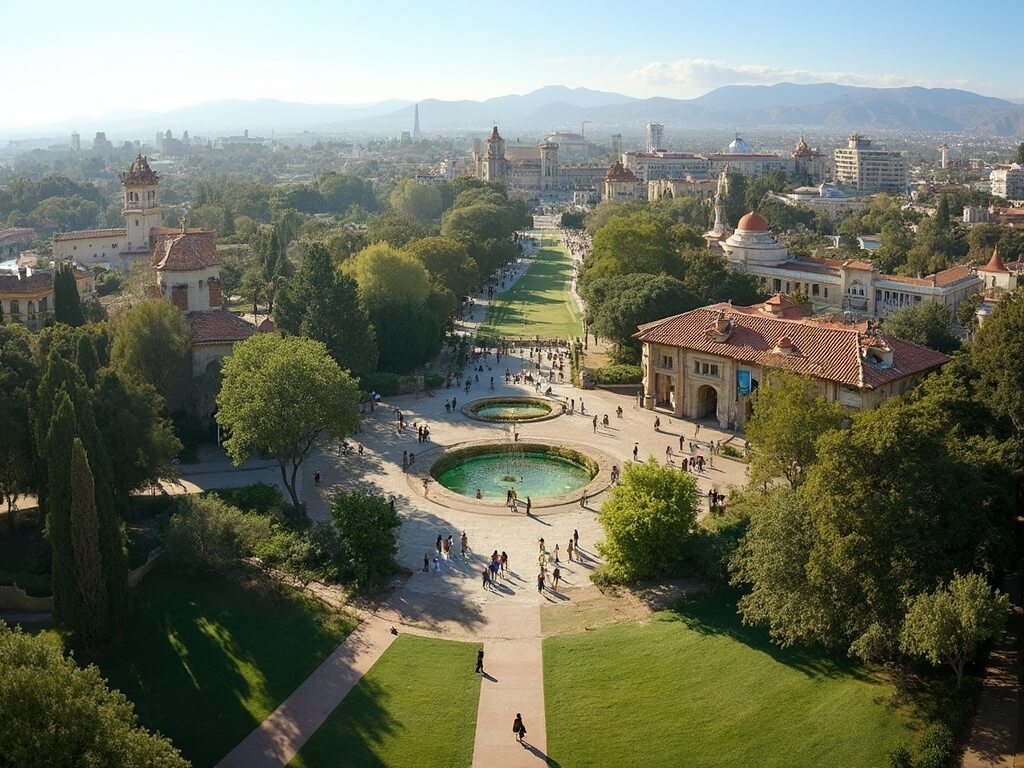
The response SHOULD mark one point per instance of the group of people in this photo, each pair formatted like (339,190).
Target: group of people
(545,558)
(444,549)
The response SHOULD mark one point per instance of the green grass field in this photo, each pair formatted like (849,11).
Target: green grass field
(205,662)
(415,707)
(697,688)
(540,303)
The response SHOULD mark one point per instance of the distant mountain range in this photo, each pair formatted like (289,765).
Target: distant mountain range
(821,105)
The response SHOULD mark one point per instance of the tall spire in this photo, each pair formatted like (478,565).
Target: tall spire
(416,123)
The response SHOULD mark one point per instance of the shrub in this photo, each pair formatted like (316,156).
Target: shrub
(261,498)
(709,550)
(433,380)
(936,747)
(900,758)
(386,384)
(368,527)
(207,536)
(619,374)
(108,283)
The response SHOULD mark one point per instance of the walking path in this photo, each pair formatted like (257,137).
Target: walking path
(449,602)
(279,738)
(993,739)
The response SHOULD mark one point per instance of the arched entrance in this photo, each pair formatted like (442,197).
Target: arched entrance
(707,402)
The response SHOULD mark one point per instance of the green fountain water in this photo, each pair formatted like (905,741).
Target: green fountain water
(531,474)
(512,410)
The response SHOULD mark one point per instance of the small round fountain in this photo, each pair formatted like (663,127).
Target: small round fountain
(513,409)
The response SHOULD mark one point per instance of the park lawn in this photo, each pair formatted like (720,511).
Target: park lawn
(695,687)
(415,707)
(205,662)
(541,302)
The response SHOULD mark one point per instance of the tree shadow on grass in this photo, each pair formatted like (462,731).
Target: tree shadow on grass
(717,614)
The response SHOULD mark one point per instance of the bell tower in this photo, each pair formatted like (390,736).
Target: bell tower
(141,203)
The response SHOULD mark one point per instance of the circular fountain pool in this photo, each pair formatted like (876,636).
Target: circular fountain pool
(513,409)
(537,471)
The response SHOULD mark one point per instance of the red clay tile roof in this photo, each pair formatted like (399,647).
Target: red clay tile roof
(618,173)
(267,326)
(824,350)
(185,251)
(995,264)
(36,283)
(218,327)
(139,173)
(16,233)
(938,280)
(89,234)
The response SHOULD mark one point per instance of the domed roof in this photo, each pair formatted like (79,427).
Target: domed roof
(139,173)
(753,222)
(738,147)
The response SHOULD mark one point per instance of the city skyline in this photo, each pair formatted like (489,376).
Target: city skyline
(323,54)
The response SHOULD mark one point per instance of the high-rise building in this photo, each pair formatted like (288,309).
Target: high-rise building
(101,143)
(1008,182)
(617,145)
(76,141)
(655,137)
(416,122)
(870,169)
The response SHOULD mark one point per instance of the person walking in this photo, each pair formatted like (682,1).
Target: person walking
(657,423)
(487,577)
(480,661)
(576,540)
(316,477)
(426,562)
(465,544)
(439,543)
(556,576)
(595,425)
(636,450)
(540,581)
(504,561)
(569,550)
(518,728)
(557,561)
(680,443)
(529,505)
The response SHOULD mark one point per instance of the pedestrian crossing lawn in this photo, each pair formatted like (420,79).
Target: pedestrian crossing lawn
(415,707)
(540,303)
(696,688)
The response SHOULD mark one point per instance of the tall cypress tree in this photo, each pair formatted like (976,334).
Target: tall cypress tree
(60,437)
(92,617)
(67,306)
(86,358)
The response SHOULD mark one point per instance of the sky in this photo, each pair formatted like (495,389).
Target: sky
(93,58)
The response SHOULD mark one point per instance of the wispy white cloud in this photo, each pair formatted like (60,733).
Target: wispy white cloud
(703,74)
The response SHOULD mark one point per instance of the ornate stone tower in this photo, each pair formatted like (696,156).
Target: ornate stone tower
(494,158)
(141,204)
(548,165)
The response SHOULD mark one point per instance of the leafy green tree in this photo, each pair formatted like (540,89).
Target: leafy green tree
(998,354)
(85,546)
(86,360)
(617,305)
(448,262)
(279,396)
(18,375)
(1020,154)
(139,441)
(322,303)
(648,521)
(967,311)
(67,306)
(942,213)
(68,608)
(368,526)
(388,278)
(926,324)
(396,229)
(420,201)
(59,714)
(789,416)
(206,536)
(632,243)
(707,274)
(151,344)
(949,625)
(895,242)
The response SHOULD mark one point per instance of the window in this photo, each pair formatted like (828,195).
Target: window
(917,299)
(826,291)
(666,360)
(777,284)
(704,368)
(15,309)
(814,290)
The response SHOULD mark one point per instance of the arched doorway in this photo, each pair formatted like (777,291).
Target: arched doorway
(707,402)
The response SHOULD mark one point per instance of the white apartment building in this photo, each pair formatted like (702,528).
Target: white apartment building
(655,137)
(870,169)
(1008,182)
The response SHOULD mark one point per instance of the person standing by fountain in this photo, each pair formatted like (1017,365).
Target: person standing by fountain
(529,505)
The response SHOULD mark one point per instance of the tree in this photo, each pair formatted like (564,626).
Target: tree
(942,214)
(926,324)
(419,201)
(632,243)
(85,358)
(388,278)
(322,303)
(617,305)
(998,353)
(1020,154)
(151,344)
(88,561)
(68,608)
(448,262)
(708,276)
(67,306)
(368,526)
(395,228)
(647,521)
(949,625)
(206,536)
(788,418)
(58,714)
(17,381)
(279,396)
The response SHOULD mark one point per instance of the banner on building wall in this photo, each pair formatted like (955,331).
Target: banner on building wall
(743,383)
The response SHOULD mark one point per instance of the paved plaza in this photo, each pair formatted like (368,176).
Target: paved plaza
(449,599)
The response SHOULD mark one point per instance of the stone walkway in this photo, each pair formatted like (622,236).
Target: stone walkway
(449,602)
(279,738)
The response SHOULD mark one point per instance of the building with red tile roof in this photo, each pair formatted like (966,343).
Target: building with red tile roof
(705,364)
(620,183)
